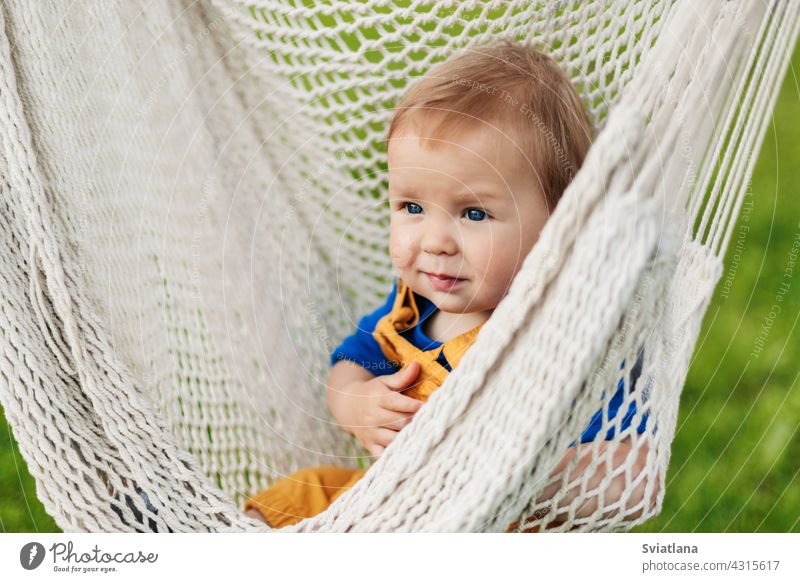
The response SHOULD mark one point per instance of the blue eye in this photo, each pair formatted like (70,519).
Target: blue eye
(475,214)
(413,208)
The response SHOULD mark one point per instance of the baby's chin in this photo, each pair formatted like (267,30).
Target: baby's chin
(458,308)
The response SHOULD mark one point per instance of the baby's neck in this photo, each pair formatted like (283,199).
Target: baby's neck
(442,326)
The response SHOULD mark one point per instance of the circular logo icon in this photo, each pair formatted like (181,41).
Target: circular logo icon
(31,555)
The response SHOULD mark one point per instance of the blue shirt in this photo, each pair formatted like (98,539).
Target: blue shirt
(360,347)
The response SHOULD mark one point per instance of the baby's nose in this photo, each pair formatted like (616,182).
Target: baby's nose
(440,237)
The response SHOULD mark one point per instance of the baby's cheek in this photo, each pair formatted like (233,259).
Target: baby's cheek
(400,250)
(497,260)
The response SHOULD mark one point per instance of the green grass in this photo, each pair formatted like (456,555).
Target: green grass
(734,464)
(20,509)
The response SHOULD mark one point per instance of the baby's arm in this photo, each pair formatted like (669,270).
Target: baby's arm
(371,407)
(624,453)
(341,382)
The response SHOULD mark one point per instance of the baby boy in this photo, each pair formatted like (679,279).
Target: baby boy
(480,150)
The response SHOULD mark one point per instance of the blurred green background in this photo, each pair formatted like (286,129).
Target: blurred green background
(736,454)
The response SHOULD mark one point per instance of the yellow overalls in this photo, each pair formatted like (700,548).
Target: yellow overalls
(310,491)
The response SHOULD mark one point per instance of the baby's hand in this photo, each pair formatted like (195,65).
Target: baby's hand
(379,411)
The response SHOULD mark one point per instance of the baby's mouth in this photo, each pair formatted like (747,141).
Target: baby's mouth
(443,282)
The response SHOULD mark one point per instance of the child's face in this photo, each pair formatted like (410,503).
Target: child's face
(468,210)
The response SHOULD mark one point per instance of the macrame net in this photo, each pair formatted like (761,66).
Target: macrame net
(193,216)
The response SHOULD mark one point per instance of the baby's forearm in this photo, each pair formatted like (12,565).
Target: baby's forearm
(344,375)
(614,491)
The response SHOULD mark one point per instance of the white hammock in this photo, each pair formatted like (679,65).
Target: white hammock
(193,217)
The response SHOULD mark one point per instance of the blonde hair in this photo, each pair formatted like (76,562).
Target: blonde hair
(516,87)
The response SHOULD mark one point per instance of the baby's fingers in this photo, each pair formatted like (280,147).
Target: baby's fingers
(382,438)
(400,403)
(385,436)
(402,379)
(397,420)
